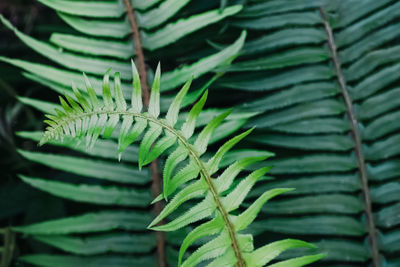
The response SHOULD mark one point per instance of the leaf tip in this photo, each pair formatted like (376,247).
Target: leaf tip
(158,69)
(158,198)
(134,69)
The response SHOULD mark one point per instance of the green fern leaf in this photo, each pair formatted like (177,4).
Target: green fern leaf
(157,135)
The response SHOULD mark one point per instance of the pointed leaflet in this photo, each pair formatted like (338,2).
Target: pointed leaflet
(63,260)
(235,198)
(210,250)
(113,119)
(76,128)
(200,211)
(98,129)
(90,222)
(159,147)
(119,97)
(194,190)
(186,174)
(179,155)
(173,111)
(104,195)
(82,100)
(150,136)
(104,121)
(213,163)
(217,247)
(111,123)
(100,243)
(227,259)
(248,216)
(107,98)
(92,94)
(154,103)
(70,127)
(205,135)
(206,229)
(75,106)
(87,107)
(188,126)
(92,121)
(136,100)
(126,138)
(265,254)
(298,262)
(224,181)
(90,129)
(65,106)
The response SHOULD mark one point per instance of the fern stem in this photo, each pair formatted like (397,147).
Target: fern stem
(154,170)
(358,143)
(138,51)
(203,170)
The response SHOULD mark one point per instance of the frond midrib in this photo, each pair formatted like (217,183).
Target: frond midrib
(357,139)
(71,118)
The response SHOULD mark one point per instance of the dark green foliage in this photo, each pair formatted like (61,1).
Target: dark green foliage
(286,74)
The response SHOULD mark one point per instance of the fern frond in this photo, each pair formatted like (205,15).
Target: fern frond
(87,116)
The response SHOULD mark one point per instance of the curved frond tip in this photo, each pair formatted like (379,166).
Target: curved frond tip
(85,115)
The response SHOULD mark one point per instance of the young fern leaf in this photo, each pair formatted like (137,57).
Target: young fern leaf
(87,116)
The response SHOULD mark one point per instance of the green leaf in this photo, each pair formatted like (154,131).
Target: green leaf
(200,211)
(265,254)
(103,149)
(291,58)
(89,9)
(148,140)
(104,243)
(97,169)
(213,163)
(188,127)
(95,47)
(217,196)
(51,260)
(136,100)
(158,15)
(72,61)
(171,80)
(212,249)
(301,261)
(89,222)
(42,106)
(203,139)
(319,204)
(261,84)
(174,31)
(335,225)
(154,104)
(206,229)
(104,195)
(173,111)
(248,216)
(236,197)
(97,27)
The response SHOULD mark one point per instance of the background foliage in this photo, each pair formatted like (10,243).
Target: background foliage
(286,73)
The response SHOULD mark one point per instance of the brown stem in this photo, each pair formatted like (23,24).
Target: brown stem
(155,174)
(139,52)
(358,143)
